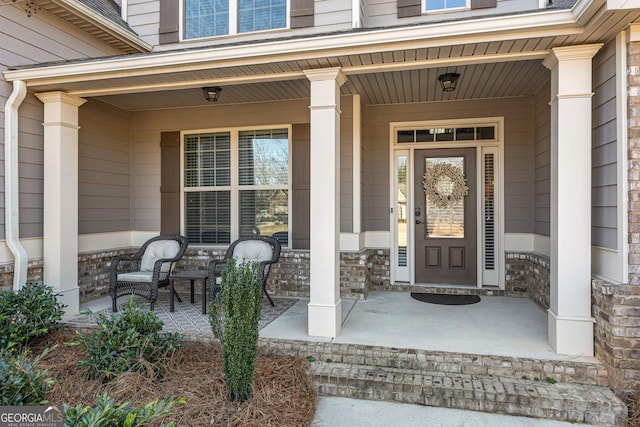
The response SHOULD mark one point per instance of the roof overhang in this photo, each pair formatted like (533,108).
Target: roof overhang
(81,15)
(277,66)
(514,27)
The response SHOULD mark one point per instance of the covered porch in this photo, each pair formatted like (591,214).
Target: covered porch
(500,326)
(110,137)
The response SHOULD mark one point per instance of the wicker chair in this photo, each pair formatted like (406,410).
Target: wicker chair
(262,249)
(147,270)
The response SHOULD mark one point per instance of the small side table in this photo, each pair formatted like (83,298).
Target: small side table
(191,275)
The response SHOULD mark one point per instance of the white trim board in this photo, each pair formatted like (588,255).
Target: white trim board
(527,242)
(622,178)
(32,245)
(604,264)
(93,242)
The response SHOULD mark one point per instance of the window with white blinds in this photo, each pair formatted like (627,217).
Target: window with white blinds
(236,183)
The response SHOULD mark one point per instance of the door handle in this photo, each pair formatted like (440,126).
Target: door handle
(418,221)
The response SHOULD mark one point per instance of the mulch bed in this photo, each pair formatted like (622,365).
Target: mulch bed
(283,393)
(634,410)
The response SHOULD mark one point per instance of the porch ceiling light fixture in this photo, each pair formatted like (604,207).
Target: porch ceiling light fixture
(212,93)
(448,81)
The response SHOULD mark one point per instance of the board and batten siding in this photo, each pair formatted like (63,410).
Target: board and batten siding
(543,160)
(604,147)
(26,41)
(518,154)
(104,169)
(383,13)
(329,15)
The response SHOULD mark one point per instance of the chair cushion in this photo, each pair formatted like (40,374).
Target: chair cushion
(136,276)
(252,250)
(157,250)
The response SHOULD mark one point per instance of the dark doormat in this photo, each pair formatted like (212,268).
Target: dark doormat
(446,299)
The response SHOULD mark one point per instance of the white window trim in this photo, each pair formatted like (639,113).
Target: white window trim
(400,273)
(235,186)
(467,6)
(233,22)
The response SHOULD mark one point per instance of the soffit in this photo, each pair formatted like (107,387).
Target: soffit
(94,23)
(477,81)
(382,74)
(428,57)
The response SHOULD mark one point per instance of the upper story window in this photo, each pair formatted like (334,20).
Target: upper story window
(443,5)
(207,18)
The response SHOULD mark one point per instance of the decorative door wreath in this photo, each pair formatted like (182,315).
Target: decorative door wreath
(445,185)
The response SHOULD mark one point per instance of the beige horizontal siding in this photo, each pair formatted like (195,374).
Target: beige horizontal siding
(103,169)
(604,150)
(346,164)
(542,151)
(146,142)
(330,15)
(382,13)
(25,41)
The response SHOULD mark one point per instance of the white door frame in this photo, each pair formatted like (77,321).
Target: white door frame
(406,273)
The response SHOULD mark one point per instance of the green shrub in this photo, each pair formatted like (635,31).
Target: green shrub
(22,383)
(26,314)
(234,317)
(130,340)
(108,414)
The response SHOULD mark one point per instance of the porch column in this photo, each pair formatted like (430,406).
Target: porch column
(570,325)
(60,246)
(325,315)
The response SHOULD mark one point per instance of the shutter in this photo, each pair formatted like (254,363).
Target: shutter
(170,183)
(408,8)
(169,25)
(301,185)
(301,13)
(483,4)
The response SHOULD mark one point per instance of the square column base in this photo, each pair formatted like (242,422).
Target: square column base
(71,299)
(325,320)
(572,336)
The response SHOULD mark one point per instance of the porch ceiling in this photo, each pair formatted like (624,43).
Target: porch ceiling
(388,71)
(477,81)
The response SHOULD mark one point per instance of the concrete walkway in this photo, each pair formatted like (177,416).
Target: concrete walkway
(340,411)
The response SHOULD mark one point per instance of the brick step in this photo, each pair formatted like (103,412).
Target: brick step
(565,371)
(570,402)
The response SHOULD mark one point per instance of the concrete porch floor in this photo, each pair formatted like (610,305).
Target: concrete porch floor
(504,326)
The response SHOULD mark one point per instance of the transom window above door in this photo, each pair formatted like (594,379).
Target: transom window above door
(477,133)
(208,18)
